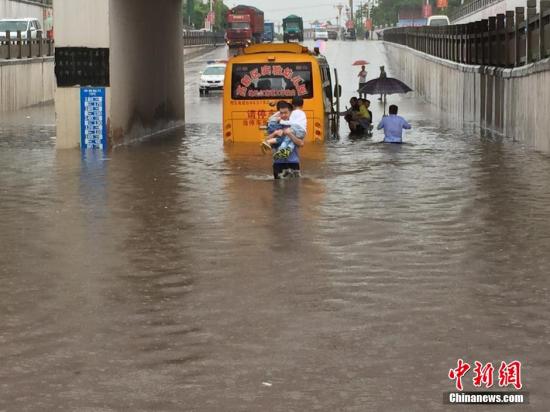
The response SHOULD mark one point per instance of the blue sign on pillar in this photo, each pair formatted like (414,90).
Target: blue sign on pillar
(93,124)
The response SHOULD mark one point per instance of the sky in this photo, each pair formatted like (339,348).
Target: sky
(309,10)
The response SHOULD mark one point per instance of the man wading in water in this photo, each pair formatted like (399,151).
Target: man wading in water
(393,126)
(289,165)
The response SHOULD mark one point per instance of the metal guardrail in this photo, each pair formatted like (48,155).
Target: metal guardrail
(43,3)
(203,38)
(506,40)
(472,7)
(14,46)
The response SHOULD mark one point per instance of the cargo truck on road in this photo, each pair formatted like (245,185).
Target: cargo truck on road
(293,28)
(269,32)
(245,26)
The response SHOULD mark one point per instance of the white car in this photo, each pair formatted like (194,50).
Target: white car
(438,20)
(212,77)
(22,25)
(320,34)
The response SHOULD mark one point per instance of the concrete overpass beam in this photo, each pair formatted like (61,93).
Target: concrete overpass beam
(147,81)
(137,48)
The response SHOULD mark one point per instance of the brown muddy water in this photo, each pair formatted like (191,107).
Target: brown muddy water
(176,275)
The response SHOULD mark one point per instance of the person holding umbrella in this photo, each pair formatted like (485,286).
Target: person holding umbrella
(393,126)
(362,76)
(362,81)
(383,86)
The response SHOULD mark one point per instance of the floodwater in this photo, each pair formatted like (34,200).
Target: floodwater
(176,275)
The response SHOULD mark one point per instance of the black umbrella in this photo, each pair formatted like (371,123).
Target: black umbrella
(386,85)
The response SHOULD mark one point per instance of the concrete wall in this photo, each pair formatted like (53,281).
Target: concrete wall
(147,77)
(525,103)
(26,83)
(14,9)
(508,101)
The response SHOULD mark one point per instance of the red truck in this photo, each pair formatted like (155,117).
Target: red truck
(245,26)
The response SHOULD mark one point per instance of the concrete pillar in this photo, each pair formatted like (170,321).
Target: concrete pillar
(78,23)
(141,68)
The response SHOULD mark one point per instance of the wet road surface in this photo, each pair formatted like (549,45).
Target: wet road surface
(176,275)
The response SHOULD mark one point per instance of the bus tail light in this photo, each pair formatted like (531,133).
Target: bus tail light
(228,132)
(318,133)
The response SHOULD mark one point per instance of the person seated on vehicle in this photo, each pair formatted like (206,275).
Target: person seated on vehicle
(365,115)
(352,115)
(352,112)
(290,128)
(367,103)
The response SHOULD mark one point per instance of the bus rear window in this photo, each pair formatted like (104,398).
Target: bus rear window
(271,81)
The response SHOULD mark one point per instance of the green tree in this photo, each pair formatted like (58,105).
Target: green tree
(195,12)
(188,13)
(359,17)
(387,10)
(221,16)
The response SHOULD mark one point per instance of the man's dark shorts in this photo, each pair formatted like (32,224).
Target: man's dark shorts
(279,167)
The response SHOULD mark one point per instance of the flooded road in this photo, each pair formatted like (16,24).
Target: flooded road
(176,275)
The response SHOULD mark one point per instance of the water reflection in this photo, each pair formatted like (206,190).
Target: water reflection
(279,212)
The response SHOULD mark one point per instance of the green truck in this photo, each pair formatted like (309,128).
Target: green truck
(293,28)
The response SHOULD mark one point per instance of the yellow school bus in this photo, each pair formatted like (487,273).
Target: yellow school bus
(267,73)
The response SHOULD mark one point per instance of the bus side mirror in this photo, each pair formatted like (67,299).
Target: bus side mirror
(338,91)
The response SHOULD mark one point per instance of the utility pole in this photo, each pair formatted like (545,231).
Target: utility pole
(361,10)
(351,9)
(339,7)
(369,7)
(211,17)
